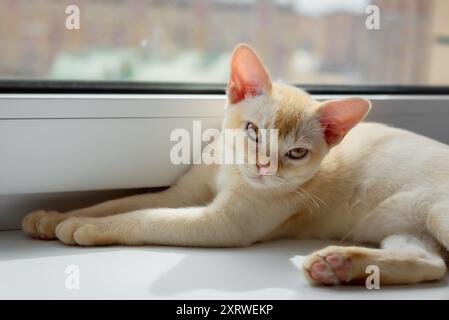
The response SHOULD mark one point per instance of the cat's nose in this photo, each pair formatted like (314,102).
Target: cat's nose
(260,165)
(263,169)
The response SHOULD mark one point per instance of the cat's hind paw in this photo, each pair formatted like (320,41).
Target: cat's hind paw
(328,268)
(42,224)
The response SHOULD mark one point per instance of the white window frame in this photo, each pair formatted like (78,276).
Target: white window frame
(79,142)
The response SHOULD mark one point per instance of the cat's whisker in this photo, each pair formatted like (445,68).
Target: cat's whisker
(302,196)
(301,192)
(310,197)
(313,198)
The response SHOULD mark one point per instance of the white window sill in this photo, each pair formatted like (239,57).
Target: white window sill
(32,269)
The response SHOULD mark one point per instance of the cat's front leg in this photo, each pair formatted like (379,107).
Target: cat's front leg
(231,220)
(193,188)
(180,227)
(402,259)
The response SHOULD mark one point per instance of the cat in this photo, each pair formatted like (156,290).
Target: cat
(336,179)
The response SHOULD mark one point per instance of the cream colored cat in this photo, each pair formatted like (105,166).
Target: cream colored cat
(336,179)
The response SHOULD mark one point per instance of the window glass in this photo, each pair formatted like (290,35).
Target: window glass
(335,42)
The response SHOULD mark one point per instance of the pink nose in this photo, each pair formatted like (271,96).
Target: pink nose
(263,169)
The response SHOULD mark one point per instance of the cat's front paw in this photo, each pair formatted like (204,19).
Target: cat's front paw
(330,266)
(42,224)
(83,232)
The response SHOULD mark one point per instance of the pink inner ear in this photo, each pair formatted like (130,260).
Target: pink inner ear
(337,117)
(248,75)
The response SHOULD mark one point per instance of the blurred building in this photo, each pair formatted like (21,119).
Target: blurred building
(191,40)
(438,66)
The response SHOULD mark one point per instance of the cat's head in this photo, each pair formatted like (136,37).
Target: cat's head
(306,129)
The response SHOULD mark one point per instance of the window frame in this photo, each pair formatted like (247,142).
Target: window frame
(134,87)
(77,124)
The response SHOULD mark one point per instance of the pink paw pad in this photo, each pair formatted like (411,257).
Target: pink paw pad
(331,270)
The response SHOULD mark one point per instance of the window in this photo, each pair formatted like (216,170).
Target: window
(333,42)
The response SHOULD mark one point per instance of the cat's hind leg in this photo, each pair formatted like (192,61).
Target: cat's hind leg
(437,223)
(402,259)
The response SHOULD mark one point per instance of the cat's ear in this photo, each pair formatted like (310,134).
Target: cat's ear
(337,117)
(248,75)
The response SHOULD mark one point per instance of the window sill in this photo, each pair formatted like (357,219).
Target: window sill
(262,271)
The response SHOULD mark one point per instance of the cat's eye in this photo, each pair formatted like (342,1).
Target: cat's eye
(297,153)
(252,131)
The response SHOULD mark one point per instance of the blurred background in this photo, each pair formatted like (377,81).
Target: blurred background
(301,41)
